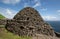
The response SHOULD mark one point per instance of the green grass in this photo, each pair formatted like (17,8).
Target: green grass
(4,34)
(2,26)
(7,35)
(1,16)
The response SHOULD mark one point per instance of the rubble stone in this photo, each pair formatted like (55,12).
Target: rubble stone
(28,22)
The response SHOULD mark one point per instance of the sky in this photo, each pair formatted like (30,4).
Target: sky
(48,9)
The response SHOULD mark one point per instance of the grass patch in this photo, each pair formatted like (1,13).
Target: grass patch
(1,16)
(4,34)
(2,26)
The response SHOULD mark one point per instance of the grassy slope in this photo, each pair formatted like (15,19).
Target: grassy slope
(4,34)
(1,16)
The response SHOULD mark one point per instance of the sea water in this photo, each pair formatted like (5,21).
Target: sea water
(55,25)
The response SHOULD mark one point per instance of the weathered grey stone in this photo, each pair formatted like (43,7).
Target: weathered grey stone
(3,21)
(28,22)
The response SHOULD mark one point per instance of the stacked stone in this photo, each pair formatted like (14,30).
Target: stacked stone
(3,21)
(28,22)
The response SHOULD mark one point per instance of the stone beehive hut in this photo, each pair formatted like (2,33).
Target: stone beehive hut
(28,22)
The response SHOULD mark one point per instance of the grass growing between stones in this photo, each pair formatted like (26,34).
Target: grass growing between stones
(4,34)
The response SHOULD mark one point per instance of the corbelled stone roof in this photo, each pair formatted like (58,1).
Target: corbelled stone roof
(28,22)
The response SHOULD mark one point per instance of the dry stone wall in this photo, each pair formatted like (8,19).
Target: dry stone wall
(3,21)
(28,22)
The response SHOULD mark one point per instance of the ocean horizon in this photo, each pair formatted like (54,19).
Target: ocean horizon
(55,25)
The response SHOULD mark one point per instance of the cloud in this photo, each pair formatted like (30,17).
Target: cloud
(26,5)
(50,18)
(31,3)
(37,3)
(35,0)
(44,9)
(8,13)
(11,1)
(58,11)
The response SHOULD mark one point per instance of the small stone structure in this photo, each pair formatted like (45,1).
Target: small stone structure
(28,22)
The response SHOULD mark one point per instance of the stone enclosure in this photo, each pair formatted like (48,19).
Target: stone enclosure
(28,22)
